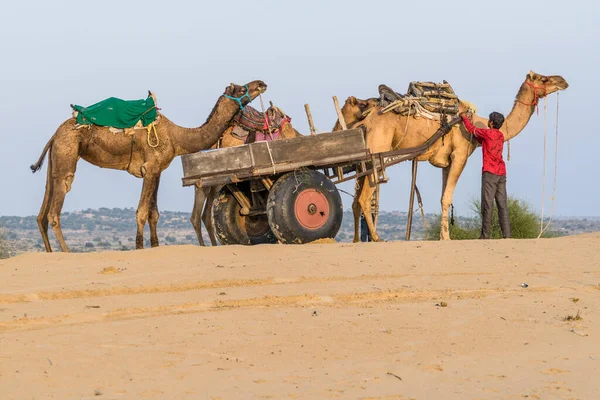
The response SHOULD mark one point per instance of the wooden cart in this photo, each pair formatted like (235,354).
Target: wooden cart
(280,190)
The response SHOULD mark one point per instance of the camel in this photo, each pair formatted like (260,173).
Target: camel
(390,131)
(132,153)
(203,197)
(353,112)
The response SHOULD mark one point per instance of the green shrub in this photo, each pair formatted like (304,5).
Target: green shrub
(524,223)
(4,251)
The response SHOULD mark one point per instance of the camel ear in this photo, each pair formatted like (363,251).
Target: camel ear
(531,75)
(351,100)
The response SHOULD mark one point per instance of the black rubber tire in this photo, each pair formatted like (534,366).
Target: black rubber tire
(233,228)
(281,207)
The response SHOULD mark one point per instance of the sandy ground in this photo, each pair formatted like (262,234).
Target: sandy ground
(418,320)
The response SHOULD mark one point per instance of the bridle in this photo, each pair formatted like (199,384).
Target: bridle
(536,97)
(239,99)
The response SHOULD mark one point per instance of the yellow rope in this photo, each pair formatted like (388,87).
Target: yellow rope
(150,128)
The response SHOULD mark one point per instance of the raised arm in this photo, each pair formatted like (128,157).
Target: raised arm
(472,129)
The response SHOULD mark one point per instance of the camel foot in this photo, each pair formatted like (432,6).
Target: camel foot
(154,244)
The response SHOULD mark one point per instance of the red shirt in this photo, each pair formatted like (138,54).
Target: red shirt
(492,143)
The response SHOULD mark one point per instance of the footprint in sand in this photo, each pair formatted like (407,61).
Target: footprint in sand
(109,270)
(553,371)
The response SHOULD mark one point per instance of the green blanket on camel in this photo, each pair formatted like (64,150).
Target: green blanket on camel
(117,113)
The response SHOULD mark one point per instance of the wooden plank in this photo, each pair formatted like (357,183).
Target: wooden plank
(311,125)
(257,156)
(341,119)
(218,160)
(286,167)
(323,146)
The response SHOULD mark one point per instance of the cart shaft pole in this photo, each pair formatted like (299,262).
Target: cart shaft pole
(415,163)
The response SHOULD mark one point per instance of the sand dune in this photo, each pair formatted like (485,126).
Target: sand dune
(417,320)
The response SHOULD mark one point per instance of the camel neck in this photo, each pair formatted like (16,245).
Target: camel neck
(350,117)
(192,140)
(520,114)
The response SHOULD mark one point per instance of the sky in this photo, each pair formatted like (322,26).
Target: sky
(62,52)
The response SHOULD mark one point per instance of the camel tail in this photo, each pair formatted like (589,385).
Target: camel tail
(38,165)
(468,105)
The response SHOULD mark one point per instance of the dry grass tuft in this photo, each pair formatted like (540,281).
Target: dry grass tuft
(109,270)
(576,317)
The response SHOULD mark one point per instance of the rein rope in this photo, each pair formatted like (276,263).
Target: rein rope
(542,226)
(239,99)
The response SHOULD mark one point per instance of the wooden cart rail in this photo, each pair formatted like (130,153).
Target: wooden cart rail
(234,164)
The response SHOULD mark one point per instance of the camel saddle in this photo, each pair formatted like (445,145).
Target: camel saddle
(422,99)
(250,126)
(118,114)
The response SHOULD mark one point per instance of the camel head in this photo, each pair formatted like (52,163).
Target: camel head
(245,94)
(355,108)
(543,85)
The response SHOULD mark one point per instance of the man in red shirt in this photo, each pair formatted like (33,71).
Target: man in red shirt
(493,179)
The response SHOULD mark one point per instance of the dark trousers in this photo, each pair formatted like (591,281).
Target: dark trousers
(493,187)
(365,235)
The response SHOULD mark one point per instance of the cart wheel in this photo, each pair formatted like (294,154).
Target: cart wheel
(304,206)
(233,228)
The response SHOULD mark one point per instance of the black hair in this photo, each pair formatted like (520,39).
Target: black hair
(496,119)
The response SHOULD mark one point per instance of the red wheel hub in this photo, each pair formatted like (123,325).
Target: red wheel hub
(311,209)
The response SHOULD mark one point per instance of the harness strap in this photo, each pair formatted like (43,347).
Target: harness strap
(239,99)
(150,128)
(535,95)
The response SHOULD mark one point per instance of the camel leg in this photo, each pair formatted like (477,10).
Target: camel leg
(356,208)
(154,216)
(445,172)
(62,179)
(42,218)
(365,199)
(207,214)
(144,207)
(196,219)
(449,180)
